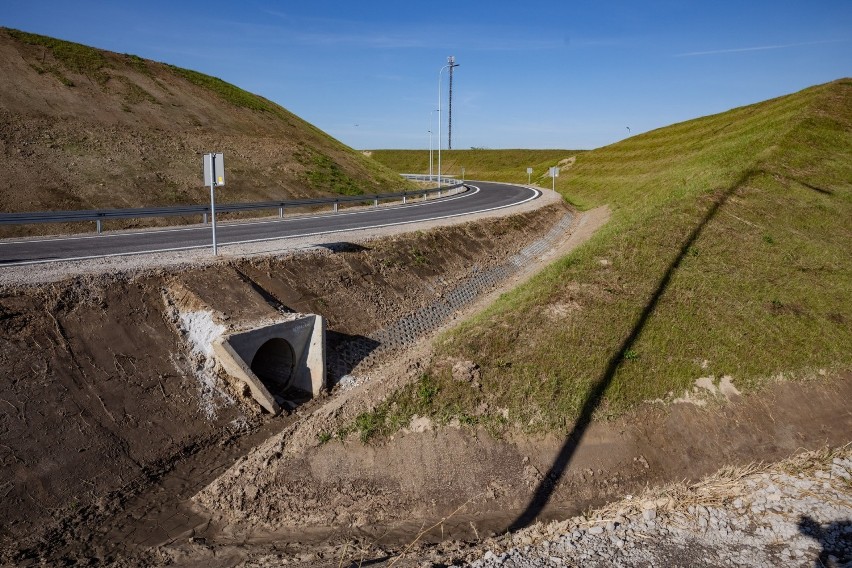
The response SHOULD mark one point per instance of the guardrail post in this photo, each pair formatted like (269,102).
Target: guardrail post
(98,222)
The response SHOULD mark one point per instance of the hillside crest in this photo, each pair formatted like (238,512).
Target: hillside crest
(86,128)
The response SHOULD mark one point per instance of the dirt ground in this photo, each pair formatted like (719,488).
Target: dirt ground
(122,445)
(105,390)
(466,486)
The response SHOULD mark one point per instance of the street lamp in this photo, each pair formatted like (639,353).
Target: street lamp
(430,154)
(430,144)
(451,62)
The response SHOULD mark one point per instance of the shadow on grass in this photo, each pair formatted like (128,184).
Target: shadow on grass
(548,484)
(815,188)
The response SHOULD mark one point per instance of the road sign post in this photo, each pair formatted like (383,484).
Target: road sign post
(214,176)
(554,173)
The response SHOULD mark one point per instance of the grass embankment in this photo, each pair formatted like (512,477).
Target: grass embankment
(72,56)
(728,253)
(272,153)
(493,165)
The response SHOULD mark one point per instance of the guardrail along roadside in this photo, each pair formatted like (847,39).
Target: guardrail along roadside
(98,216)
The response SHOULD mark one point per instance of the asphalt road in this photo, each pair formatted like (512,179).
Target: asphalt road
(482,196)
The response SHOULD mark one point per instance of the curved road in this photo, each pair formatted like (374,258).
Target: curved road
(482,196)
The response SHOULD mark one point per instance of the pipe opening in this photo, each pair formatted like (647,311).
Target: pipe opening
(273,364)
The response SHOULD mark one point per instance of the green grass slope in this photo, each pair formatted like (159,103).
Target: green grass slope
(85,128)
(483,164)
(728,253)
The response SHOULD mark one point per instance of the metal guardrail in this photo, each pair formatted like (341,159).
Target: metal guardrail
(100,215)
(433,178)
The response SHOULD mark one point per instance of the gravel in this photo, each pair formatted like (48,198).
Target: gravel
(796,513)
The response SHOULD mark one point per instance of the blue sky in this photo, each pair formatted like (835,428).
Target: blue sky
(533,74)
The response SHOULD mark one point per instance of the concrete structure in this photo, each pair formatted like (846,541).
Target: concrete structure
(276,362)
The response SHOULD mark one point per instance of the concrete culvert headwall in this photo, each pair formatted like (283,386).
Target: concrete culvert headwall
(278,362)
(273,364)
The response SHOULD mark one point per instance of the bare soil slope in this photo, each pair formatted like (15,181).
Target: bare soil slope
(105,382)
(83,128)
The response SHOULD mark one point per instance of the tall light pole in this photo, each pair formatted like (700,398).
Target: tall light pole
(430,144)
(430,154)
(451,62)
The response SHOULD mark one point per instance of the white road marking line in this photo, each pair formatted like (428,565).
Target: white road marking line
(536,194)
(239,224)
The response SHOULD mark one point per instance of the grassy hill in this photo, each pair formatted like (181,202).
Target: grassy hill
(84,128)
(494,165)
(728,253)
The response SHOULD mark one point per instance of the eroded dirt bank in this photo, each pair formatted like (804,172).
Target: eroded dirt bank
(381,495)
(107,385)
